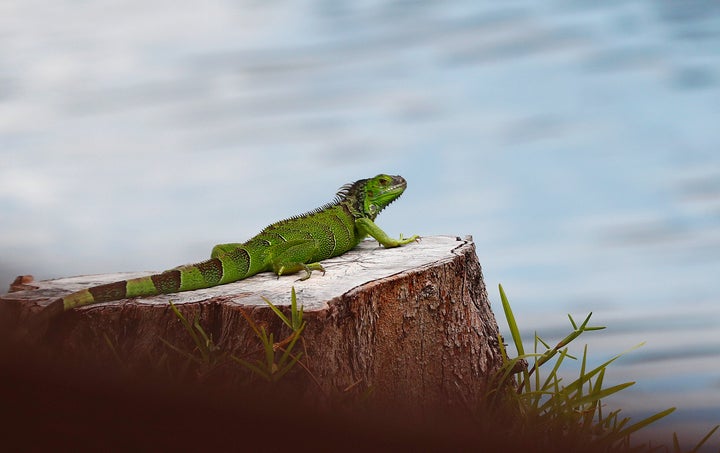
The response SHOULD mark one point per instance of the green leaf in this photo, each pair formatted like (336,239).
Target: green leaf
(639,425)
(572,321)
(296,314)
(537,337)
(282,371)
(181,352)
(676,444)
(595,396)
(185,323)
(553,373)
(279,313)
(512,325)
(113,350)
(253,368)
(287,351)
(269,346)
(704,439)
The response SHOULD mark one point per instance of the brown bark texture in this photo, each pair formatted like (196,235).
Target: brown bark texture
(412,324)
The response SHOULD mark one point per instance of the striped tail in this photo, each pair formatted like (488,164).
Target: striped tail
(151,285)
(205,274)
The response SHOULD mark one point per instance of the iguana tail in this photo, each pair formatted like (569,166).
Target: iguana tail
(226,268)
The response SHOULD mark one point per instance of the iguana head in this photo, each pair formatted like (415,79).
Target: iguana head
(370,196)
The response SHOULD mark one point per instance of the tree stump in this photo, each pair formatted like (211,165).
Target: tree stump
(411,323)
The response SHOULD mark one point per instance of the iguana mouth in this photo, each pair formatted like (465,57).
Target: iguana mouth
(400,184)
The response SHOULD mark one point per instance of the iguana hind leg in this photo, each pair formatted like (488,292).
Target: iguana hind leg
(291,268)
(293,256)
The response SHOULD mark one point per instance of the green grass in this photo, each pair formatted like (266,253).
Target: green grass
(205,353)
(271,362)
(273,366)
(555,411)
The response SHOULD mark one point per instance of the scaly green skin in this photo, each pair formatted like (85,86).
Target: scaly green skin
(289,246)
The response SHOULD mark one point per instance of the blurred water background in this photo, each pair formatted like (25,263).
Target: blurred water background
(577,141)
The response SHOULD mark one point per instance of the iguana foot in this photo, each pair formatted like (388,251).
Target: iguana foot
(308,270)
(297,267)
(404,240)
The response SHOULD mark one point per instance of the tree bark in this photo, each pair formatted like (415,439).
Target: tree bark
(413,323)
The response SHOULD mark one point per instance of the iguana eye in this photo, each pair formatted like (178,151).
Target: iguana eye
(384,181)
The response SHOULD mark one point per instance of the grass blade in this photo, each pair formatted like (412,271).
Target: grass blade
(704,439)
(512,324)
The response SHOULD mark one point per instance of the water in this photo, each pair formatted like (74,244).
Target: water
(576,142)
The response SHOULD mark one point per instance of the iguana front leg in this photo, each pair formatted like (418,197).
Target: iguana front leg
(368,227)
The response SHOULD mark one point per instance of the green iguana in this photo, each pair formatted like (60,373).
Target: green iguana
(286,247)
